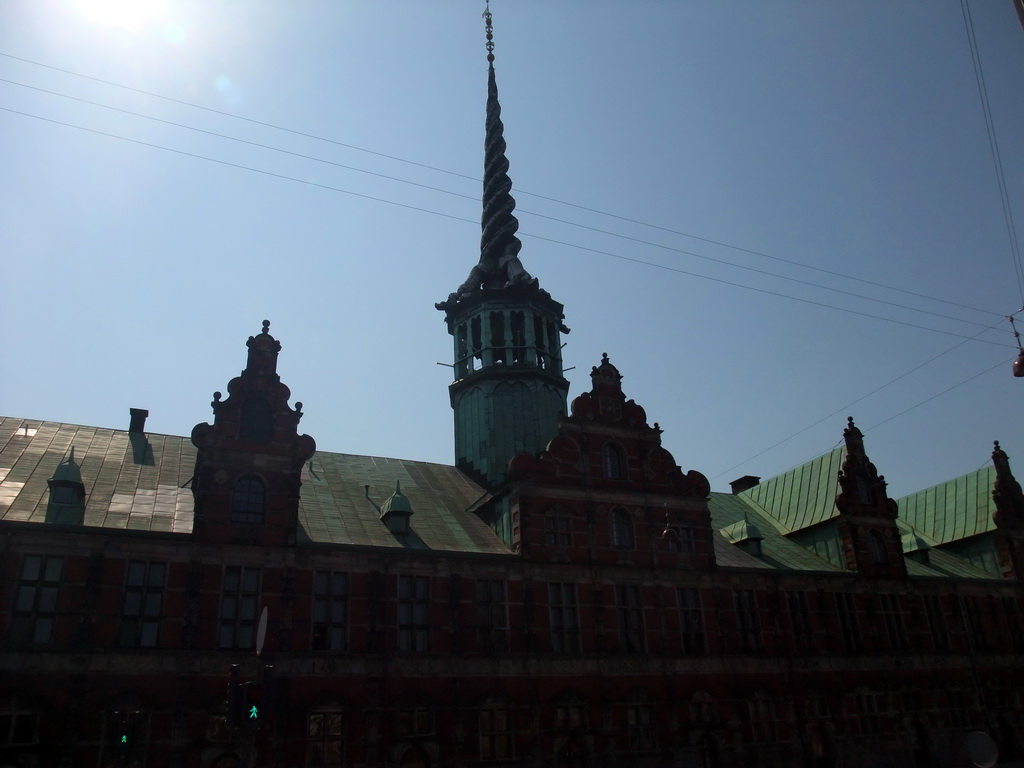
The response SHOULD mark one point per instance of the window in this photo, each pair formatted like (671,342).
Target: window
(415,721)
(748,623)
(413,607)
(498,336)
(972,615)
(702,709)
(691,620)
(849,627)
(640,726)
(960,706)
(892,618)
(556,531)
(143,604)
(868,711)
(538,337)
(63,494)
(491,616)
(614,462)
(1015,631)
(622,529)
(325,739)
(248,501)
(495,724)
(764,720)
(683,541)
(256,421)
(239,608)
(800,619)
(631,619)
(18,728)
(876,548)
(936,622)
(518,321)
(570,716)
(330,611)
(565,621)
(35,602)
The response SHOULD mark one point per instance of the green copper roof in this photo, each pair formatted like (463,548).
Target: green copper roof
(803,496)
(140,482)
(954,510)
(777,551)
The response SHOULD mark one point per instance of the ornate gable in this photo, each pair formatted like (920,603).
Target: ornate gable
(249,461)
(871,541)
(620,496)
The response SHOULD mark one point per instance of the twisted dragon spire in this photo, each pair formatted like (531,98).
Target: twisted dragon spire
(499,265)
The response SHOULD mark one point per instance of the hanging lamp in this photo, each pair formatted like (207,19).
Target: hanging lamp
(1018,364)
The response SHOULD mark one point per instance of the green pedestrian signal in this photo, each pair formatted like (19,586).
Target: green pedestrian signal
(253,713)
(124,738)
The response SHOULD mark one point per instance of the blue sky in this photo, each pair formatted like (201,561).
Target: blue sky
(764,213)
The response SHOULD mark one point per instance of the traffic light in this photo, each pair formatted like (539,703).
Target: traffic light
(124,737)
(254,712)
(234,707)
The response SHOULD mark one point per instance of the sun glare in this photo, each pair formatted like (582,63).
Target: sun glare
(124,14)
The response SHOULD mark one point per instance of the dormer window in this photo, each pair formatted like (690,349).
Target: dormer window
(614,462)
(63,494)
(67,493)
(248,501)
(256,421)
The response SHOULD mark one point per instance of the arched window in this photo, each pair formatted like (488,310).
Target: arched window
(622,529)
(248,500)
(614,462)
(256,421)
(876,547)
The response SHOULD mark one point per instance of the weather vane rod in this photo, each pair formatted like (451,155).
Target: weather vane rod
(490,32)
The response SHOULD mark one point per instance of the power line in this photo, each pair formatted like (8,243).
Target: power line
(516,190)
(849,405)
(470,197)
(993,142)
(473,221)
(611,254)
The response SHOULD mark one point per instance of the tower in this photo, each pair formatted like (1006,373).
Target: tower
(509,390)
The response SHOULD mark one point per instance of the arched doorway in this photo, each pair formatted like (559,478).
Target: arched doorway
(414,757)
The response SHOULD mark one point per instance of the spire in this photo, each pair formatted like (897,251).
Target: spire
(499,265)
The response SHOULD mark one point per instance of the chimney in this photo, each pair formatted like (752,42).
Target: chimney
(744,483)
(138,423)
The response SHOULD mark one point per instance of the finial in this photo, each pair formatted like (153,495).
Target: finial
(266,326)
(490,33)
(996,444)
